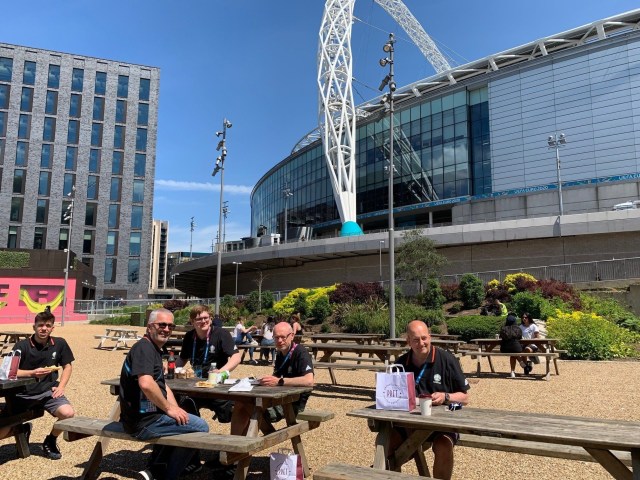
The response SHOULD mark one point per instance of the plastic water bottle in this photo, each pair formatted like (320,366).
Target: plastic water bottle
(171,366)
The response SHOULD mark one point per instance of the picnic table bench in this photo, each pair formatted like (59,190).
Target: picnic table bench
(9,338)
(9,389)
(121,337)
(343,471)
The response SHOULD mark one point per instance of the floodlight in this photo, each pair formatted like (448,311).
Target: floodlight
(227,123)
(387,47)
(384,62)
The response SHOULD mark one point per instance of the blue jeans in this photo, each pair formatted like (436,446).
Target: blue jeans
(268,352)
(243,339)
(171,460)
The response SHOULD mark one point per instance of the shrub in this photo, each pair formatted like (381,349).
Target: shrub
(366,318)
(497,291)
(325,328)
(455,307)
(286,306)
(556,289)
(321,309)
(432,296)
(532,302)
(474,326)
(350,292)
(450,291)
(471,291)
(119,320)
(522,278)
(265,301)
(228,301)
(587,336)
(610,309)
(174,305)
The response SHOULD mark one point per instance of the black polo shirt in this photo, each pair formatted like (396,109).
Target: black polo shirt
(441,372)
(55,352)
(296,363)
(213,353)
(144,358)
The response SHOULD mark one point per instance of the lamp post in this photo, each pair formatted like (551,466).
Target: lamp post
(222,147)
(237,264)
(381,245)
(286,193)
(389,81)
(67,216)
(556,141)
(193,226)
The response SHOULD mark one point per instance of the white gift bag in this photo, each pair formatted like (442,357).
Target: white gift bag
(395,389)
(285,465)
(5,367)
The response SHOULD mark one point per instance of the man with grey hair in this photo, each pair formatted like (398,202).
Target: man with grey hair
(149,408)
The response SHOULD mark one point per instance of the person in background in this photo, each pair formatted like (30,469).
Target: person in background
(149,407)
(242,336)
(529,330)
(268,341)
(37,353)
(510,335)
(294,321)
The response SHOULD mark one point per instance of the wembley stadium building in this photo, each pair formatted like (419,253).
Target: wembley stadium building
(480,153)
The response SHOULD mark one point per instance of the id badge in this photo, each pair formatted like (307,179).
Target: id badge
(147,406)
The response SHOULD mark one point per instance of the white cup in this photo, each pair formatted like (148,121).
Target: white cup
(425,406)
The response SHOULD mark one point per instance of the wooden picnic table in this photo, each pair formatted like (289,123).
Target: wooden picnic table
(439,336)
(8,338)
(326,352)
(545,345)
(450,345)
(599,437)
(120,335)
(359,338)
(8,418)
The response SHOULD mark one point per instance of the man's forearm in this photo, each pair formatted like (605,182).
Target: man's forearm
(233,362)
(66,375)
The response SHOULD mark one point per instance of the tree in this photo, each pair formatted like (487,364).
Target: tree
(471,291)
(259,280)
(417,258)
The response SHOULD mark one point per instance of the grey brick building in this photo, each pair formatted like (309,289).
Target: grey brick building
(70,121)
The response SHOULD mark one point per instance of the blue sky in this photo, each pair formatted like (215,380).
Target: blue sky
(254,62)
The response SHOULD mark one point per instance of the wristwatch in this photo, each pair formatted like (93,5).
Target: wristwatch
(446,399)
(281,381)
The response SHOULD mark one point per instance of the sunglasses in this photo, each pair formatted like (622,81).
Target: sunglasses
(163,325)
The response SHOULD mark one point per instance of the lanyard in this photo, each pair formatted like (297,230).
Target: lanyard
(424,367)
(206,350)
(286,359)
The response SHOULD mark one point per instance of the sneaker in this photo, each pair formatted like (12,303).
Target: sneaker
(254,343)
(527,369)
(145,475)
(513,374)
(193,467)
(50,448)
(253,362)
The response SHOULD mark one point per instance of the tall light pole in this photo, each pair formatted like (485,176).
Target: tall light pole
(237,264)
(389,81)
(193,227)
(556,141)
(286,193)
(67,216)
(222,147)
(381,245)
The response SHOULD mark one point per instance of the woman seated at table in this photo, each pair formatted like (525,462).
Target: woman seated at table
(268,341)
(294,321)
(529,330)
(510,335)
(242,336)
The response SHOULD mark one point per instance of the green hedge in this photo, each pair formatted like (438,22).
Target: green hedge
(475,326)
(11,259)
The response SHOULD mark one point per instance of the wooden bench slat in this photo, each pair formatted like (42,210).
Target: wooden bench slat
(348,366)
(6,421)
(315,415)
(343,471)
(520,354)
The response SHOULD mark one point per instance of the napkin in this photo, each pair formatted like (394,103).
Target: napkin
(243,385)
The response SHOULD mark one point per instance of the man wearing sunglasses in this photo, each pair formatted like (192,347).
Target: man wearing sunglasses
(149,408)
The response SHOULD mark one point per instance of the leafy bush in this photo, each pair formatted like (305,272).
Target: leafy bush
(173,305)
(497,291)
(523,280)
(181,317)
(286,306)
(325,328)
(450,291)
(474,326)
(12,259)
(350,292)
(610,309)
(321,310)
(302,300)
(532,302)
(267,299)
(119,320)
(587,336)
(432,296)
(228,301)
(455,307)
(257,302)
(561,290)
(471,291)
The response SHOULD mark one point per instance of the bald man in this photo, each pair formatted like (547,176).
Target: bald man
(436,372)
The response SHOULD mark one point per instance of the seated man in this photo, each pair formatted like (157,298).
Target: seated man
(149,408)
(436,372)
(37,353)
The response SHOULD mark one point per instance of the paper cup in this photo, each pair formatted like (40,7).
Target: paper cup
(425,406)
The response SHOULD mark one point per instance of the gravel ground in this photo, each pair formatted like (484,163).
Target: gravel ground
(594,389)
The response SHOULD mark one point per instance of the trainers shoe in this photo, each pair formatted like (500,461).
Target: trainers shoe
(513,374)
(253,362)
(527,369)
(254,343)
(50,448)
(145,475)
(193,467)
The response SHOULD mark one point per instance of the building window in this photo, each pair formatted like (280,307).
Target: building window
(77,79)
(3,124)
(75,105)
(92,187)
(134,244)
(88,261)
(26,100)
(46,156)
(87,242)
(16,209)
(73,133)
(116,183)
(134,270)
(121,111)
(123,86)
(98,108)
(54,76)
(140,165)
(22,154)
(136,217)
(116,163)
(19,177)
(94,161)
(145,87)
(143,114)
(44,183)
(72,158)
(12,240)
(63,239)
(42,210)
(90,213)
(51,104)
(96,134)
(109,270)
(4,95)
(49,130)
(29,73)
(2,140)
(112,243)
(24,126)
(69,182)
(101,83)
(141,140)
(6,69)
(138,191)
(114,215)
(39,238)
(118,137)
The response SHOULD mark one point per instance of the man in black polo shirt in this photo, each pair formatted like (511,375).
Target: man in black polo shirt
(149,408)
(437,373)
(37,353)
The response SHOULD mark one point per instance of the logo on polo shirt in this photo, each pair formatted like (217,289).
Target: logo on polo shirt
(53,356)
(437,378)
(308,368)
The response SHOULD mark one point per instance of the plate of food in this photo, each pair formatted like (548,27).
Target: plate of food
(203,384)
(52,368)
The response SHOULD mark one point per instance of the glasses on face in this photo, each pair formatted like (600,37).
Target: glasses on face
(202,319)
(163,325)
(282,337)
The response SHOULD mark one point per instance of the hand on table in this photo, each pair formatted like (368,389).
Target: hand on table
(437,398)
(269,381)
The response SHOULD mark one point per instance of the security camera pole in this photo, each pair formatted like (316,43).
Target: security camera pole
(220,168)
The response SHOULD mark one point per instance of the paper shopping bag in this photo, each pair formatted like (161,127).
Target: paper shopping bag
(5,366)
(395,389)
(285,465)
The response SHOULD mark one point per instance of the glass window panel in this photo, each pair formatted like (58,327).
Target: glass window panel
(87,241)
(138,191)
(136,217)
(134,270)
(448,133)
(39,238)
(53,80)
(140,165)
(24,126)
(92,187)
(19,176)
(134,244)
(141,140)
(22,154)
(98,108)
(26,100)
(101,83)
(69,182)
(41,210)
(123,86)
(3,124)
(109,270)
(51,104)
(73,133)
(91,210)
(447,102)
(77,79)
(121,111)
(75,105)
(118,137)
(116,163)
(436,106)
(46,156)
(71,159)
(114,214)
(112,243)
(44,183)
(6,69)
(143,114)
(12,240)
(96,134)
(63,239)
(459,99)
(4,95)
(49,130)
(94,160)
(29,73)
(116,183)
(145,87)
(15,214)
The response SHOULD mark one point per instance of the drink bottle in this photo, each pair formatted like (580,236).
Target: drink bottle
(171,366)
